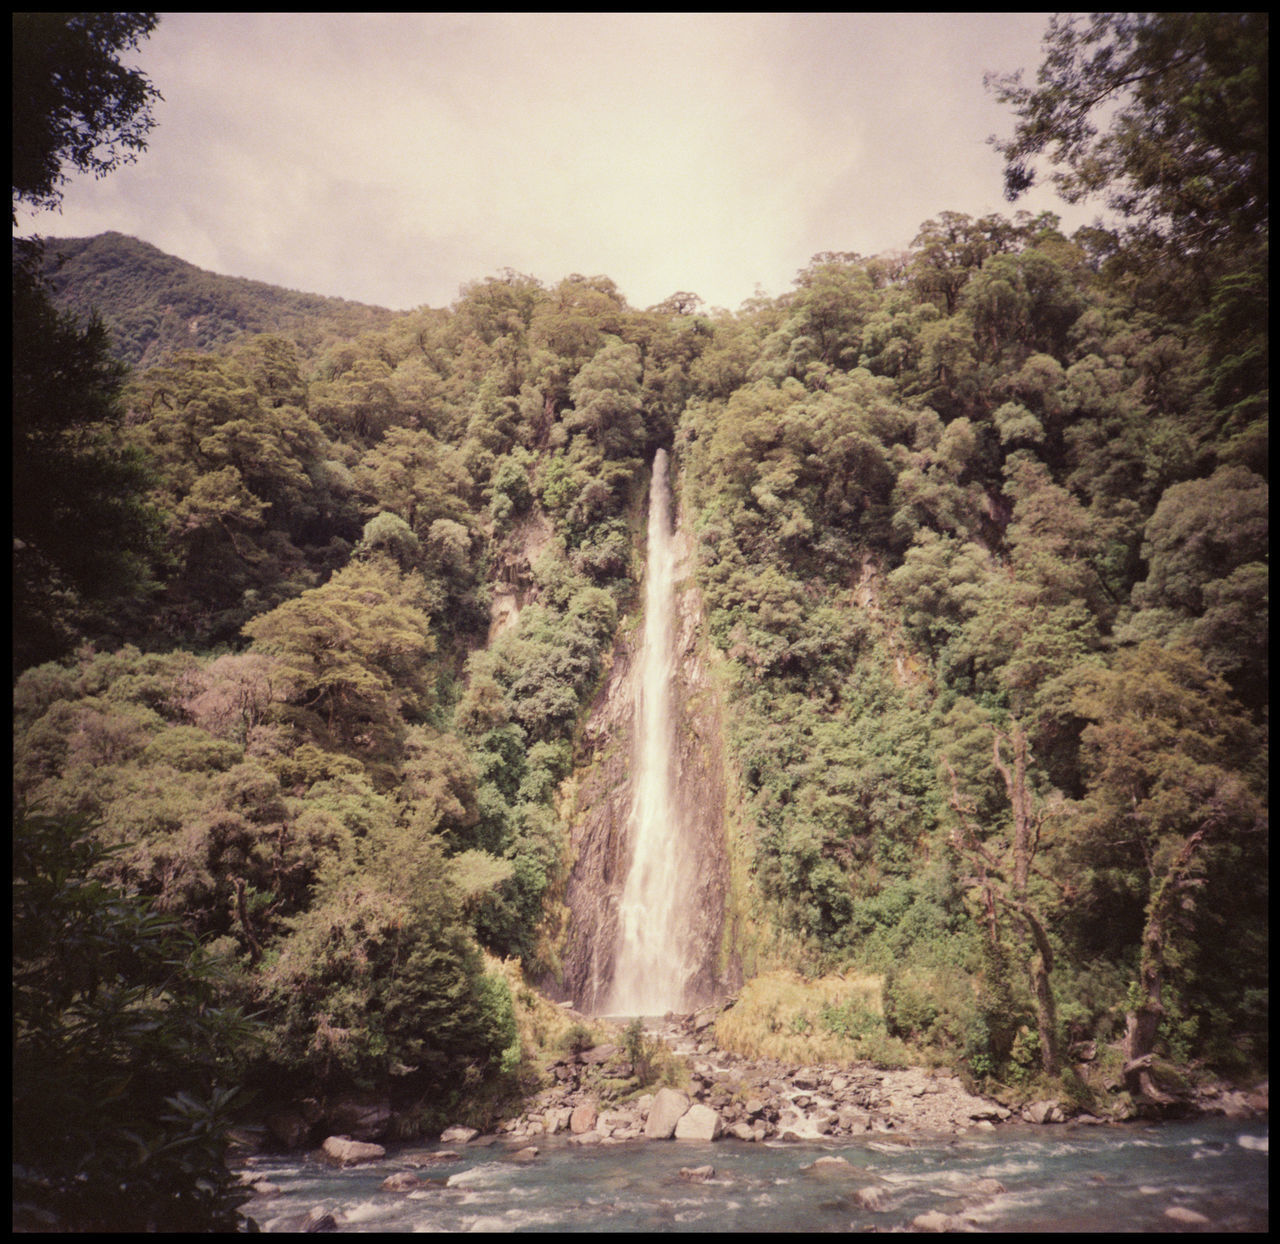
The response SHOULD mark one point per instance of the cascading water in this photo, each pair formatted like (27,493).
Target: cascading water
(652,965)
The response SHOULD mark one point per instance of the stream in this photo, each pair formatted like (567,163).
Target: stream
(1206,1174)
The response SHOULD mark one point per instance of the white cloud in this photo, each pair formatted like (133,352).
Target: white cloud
(393,157)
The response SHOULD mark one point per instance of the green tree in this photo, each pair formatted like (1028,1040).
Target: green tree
(1206,549)
(380,974)
(355,651)
(1164,112)
(1176,773)
(123,1044)
(606,401)
(74,104)
(72,475)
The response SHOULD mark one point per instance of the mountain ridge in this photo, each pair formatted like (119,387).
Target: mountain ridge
(154,304)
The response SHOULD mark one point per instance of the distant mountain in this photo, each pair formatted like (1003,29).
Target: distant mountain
(154,304)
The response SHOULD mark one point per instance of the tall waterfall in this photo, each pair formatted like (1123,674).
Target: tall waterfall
(653,963)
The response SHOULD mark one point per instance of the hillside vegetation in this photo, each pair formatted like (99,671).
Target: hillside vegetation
(981,530)
(154,304)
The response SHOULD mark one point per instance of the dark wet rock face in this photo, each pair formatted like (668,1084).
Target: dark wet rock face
(601,816)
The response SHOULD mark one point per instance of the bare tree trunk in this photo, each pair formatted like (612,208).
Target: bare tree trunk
(1143,1022)
(1024,848)
(1046,1006)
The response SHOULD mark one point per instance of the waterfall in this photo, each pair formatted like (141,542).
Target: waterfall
(653,963)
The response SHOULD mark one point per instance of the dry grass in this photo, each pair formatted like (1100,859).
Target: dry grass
(832,1019)
(546,1029)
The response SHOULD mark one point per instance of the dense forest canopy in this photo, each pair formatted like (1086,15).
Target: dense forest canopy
(981,532)
(154,305)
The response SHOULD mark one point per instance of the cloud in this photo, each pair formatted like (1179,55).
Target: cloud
(391,158)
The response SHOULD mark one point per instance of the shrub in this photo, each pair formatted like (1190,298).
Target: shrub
(121,1036)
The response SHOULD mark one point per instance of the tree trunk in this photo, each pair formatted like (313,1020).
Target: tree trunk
(1024,849)
(1046,1006)
(1143,1022)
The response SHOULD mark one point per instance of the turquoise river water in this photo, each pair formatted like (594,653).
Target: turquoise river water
(1057,1178)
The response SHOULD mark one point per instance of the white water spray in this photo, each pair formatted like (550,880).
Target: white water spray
(651,970)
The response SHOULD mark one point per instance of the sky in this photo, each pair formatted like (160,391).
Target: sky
(393,158)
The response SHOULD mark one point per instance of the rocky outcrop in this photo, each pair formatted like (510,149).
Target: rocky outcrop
(347,1152)
(601,812)
(512,570)
(366,1117)
(598,838)
(751,1100)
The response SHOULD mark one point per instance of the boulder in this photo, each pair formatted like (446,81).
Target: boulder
(1180,1213)
(289,1128)
(990,1110)
(583,1118)
(876,1200)
(527,1154)
(699,1123)
(420,1158)
(697,1174)
(359,1118)
(831,1164)
(597,1054)
(704,1018)
(1042,1112)
(983,1187)
(458,1135)
(317,1220)
(743,1131)
(346,1152)
(934,1220)
(401,1181)
(853,1120)
(619,1121)
(668,1106)
(557,1120)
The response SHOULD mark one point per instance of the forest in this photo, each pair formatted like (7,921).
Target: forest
(981,532)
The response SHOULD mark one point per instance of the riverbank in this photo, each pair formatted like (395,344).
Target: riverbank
(873,1148)
(749,1099)
(763,1099)
(689,1088)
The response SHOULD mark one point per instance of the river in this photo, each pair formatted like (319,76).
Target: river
(1053,1178)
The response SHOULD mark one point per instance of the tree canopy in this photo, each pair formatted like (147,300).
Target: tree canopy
(1163,113)
(76,108)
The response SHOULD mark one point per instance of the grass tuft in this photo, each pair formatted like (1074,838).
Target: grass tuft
(831,1019)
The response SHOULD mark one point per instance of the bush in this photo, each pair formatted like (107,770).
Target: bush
(121,1038)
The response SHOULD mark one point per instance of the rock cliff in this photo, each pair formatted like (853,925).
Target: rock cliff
(601,808)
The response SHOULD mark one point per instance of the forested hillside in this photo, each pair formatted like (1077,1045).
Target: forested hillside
(981,531)
(154,304)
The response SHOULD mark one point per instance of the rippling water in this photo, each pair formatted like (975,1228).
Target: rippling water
(1061,1178)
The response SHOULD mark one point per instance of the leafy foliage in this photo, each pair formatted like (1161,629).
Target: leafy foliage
(1185,149)
(74,103)
(980,530)
(122,1051)
(154,305)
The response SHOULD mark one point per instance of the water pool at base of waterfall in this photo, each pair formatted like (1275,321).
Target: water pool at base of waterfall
(1059,1178)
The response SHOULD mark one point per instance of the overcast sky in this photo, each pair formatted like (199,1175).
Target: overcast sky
(390,158)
